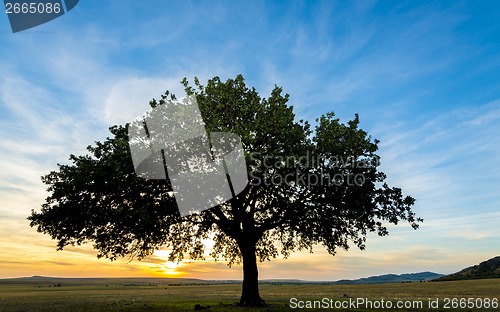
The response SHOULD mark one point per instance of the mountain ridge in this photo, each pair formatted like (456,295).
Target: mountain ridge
(486,269)
(393,278)
(379,279)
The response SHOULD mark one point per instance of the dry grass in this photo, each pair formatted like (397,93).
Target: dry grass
(113,295)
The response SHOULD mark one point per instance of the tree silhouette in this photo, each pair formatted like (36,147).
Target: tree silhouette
(304,188)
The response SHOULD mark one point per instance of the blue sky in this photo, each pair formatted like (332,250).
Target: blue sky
(423,76)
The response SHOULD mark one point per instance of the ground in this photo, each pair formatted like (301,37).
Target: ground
(117,295)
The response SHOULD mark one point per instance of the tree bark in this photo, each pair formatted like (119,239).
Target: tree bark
(250,291)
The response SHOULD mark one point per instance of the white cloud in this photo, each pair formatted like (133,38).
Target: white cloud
(450,165)
(129,97)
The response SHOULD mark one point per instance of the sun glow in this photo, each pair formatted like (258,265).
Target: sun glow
(171,265)
(168,267)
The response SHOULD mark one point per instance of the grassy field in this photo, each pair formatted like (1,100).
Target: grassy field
(165,295)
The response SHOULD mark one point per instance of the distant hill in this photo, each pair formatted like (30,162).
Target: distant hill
(486,269)
(144,281)
(139,281)
(393,278)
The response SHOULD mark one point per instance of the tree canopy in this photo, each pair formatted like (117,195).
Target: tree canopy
(306,186)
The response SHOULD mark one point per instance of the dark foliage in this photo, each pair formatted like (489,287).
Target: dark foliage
(99,199)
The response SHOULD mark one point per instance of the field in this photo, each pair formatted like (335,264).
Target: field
(46,294)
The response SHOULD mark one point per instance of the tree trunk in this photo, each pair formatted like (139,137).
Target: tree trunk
(250,292)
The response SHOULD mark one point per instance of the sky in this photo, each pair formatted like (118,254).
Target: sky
(422,75)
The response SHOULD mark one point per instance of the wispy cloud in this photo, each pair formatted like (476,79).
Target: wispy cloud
(423,77)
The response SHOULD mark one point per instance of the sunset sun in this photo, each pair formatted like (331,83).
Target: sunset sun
(171,265)
(168,267)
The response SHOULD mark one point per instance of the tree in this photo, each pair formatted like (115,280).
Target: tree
(305,188)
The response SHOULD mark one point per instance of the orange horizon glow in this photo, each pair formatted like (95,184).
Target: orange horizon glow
(81,262)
